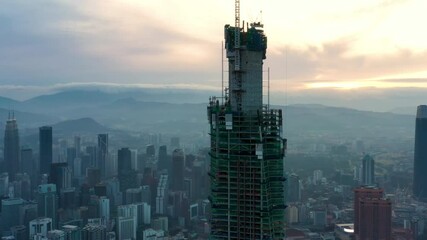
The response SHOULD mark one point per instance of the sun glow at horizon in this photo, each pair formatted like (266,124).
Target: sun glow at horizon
(351,85)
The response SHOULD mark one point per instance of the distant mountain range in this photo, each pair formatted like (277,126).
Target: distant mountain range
(7,103)
(79,126)
(26,119)
(405,110)
(136,112)
(340,122)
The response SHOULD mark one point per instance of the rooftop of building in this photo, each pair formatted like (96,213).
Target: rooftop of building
(69,227)
(41,220)
(422,111)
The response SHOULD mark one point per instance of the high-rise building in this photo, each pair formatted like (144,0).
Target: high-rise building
(126,227)
(104,209)
(154,139)
(161,223)
(124,161)
(360,194)
(72,232)
(317,177)
(293,188)
(77,168)
(4,184)
(146,194)
(91,153)
(100,190)
(77,145)
(133,195)
(12,148)
(94,232)
(19,232)
(134,160)
(111,165)
(319,218)
(292,214)
(199,178)
(60,175)
(71,156)
(93,176)
(102,152)
(111,236)
(127,176)
(27,160)
(247,147)
(56,235)
(162,191)
(129,210)
(40,227)
(420,155)
(143,213)
(45,151)
(375,219)
(10,212)
(113,192)
(368,171)
(152,234)
(127,221)
(150,150)
(178,161)
(22,186)
(27,212)
(68,198)
(47,201)
(163,162)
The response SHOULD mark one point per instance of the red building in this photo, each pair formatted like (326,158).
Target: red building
(374,219)
(362,193)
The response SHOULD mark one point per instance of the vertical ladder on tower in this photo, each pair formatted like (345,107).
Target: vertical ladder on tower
(237,65)
(237,36)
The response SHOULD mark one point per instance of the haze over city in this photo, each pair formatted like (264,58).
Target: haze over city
(213,119)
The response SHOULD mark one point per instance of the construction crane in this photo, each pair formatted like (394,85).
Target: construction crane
(237,35)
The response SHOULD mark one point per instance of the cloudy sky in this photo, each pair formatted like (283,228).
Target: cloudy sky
(319,51)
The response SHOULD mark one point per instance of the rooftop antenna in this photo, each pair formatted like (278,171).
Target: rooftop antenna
(222,72)
(268,88)
(259,17)
(286,87)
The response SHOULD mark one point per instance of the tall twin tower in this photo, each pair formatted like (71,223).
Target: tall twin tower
(247,147)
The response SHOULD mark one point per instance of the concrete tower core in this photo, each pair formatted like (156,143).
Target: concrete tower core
(245,80)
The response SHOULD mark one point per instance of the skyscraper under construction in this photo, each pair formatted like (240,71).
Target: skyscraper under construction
(247,147)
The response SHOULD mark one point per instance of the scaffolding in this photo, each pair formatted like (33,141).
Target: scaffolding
(247,188)
(247,147)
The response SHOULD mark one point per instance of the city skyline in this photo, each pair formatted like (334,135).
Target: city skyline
(259,165)
(91,185)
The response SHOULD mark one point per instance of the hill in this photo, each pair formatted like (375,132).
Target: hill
(132,111)
(79,126)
